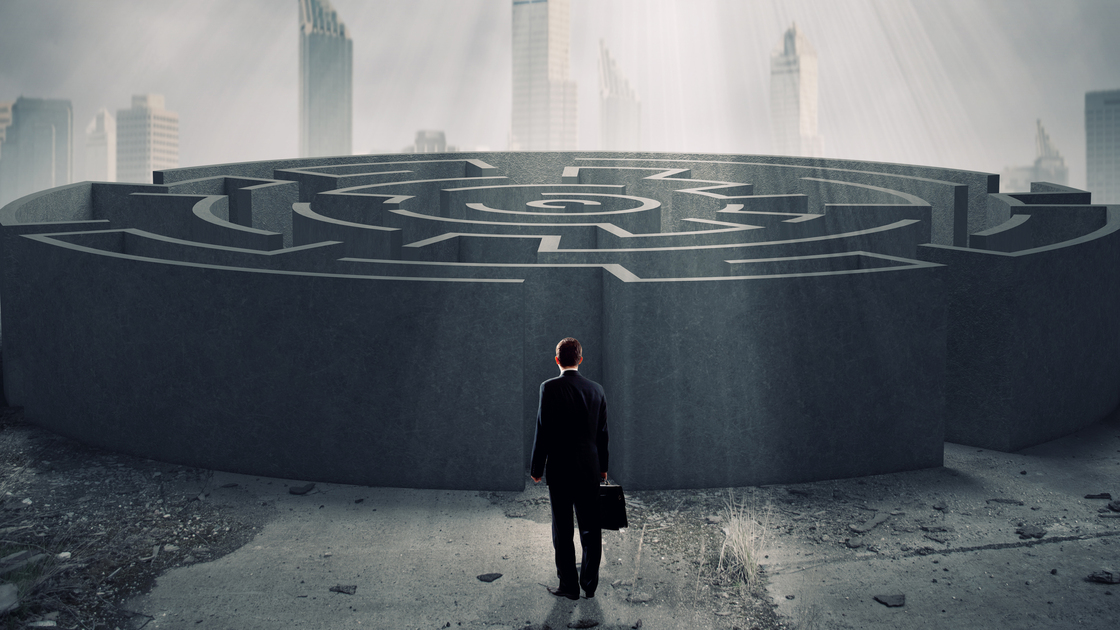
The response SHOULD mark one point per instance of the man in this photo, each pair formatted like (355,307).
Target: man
(570,450)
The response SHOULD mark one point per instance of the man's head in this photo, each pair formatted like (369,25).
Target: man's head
(568,353)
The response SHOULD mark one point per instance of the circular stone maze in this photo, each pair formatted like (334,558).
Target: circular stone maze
(387,319)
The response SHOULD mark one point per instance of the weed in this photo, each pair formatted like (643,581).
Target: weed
(747,532)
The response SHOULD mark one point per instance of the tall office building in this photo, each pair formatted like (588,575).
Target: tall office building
(147,139)
(544,96)
(1102,145)
(38,147)
(620,110)
(430,141)
(325,75)
(5,120)
(101,148)
(1049,166)
(793,96)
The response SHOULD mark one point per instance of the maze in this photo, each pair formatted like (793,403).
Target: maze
(387,319)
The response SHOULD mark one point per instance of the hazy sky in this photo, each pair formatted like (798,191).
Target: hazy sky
(949,83)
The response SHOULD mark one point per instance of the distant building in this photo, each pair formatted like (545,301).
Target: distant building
(793,96)
(620,109)
(147,139)
(430,141)
(325,75)
(1102,145)
(544,96)
(38,147)
(1049,166)
(5,120)
(101,148)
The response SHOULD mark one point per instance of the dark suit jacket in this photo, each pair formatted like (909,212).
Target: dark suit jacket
(570,446)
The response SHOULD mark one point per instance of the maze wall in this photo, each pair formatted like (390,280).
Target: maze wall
(387,319)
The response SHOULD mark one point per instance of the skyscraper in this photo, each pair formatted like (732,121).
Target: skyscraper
(620,110)
(1049,166)
(101,147)
(38,147)
(544,96)
(793,96)
(5,120)
(325,74)
(147,139)
(1102,145)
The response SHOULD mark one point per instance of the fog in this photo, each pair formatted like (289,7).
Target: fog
(928,82)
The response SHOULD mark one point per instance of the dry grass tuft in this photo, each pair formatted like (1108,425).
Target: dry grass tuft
(748,531)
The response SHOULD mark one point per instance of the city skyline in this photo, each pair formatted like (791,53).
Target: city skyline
(927,83)
(620,109)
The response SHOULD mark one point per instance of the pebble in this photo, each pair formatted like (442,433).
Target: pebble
(639,598)
(891,601)
(1030,531)
(489,577)
(348,589)
(304,489)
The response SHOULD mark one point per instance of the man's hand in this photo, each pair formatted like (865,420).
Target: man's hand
(535,479)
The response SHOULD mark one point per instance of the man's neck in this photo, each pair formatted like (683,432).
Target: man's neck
(573,368)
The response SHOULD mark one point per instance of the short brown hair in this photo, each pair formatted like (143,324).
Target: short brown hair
(569,352)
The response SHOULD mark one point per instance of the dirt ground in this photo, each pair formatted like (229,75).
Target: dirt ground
(142,541)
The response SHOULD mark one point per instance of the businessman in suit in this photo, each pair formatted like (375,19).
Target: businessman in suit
(570,451)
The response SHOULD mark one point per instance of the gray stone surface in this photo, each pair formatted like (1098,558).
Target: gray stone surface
(373,320)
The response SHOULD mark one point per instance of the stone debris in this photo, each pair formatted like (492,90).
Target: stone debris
(1114,506)
(1103,495)
(1007,501)
(348,589)
(940,507)
(9,598)
(891,601)
(790,596)
(228,485)
(855,543)
(1030,531)
(304,489)
(616,583)
(879,517)
(1104,577)
(637,624)
(489,577)
(938,537)
(638,598)
(46,623)
(170,548)
(723,613)
(713,520)
(583,623)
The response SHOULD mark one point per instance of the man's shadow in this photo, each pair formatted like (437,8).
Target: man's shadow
(565,611)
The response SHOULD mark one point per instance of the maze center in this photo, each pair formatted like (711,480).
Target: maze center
(387,319)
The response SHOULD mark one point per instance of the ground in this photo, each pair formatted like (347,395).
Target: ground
(157,545)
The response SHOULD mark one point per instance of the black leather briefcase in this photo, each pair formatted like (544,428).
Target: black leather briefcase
(612,507)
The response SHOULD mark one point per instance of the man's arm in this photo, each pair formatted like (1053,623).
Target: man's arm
(601,439)
(540,443)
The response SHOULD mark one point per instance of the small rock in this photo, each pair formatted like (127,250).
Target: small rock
(639,598)
(9,597)
(1103,495)
(1022,472)
(891,601)
(790,596)
(304,489)
(26,502)
(65,555)
(1007,501)
(723,613)
(170,548)
(799,492)
(1030,531)
(1114,506)
(825,538)
(358,500)
(489,577)
(583,623)
(637,624)
(855,543)
(870,524)
(46,623)
(940,507)
(1053,571)
(228,485)
(714,519)
(616,583)
(1104,577)
(938,537)
(348,589)
(190,559)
